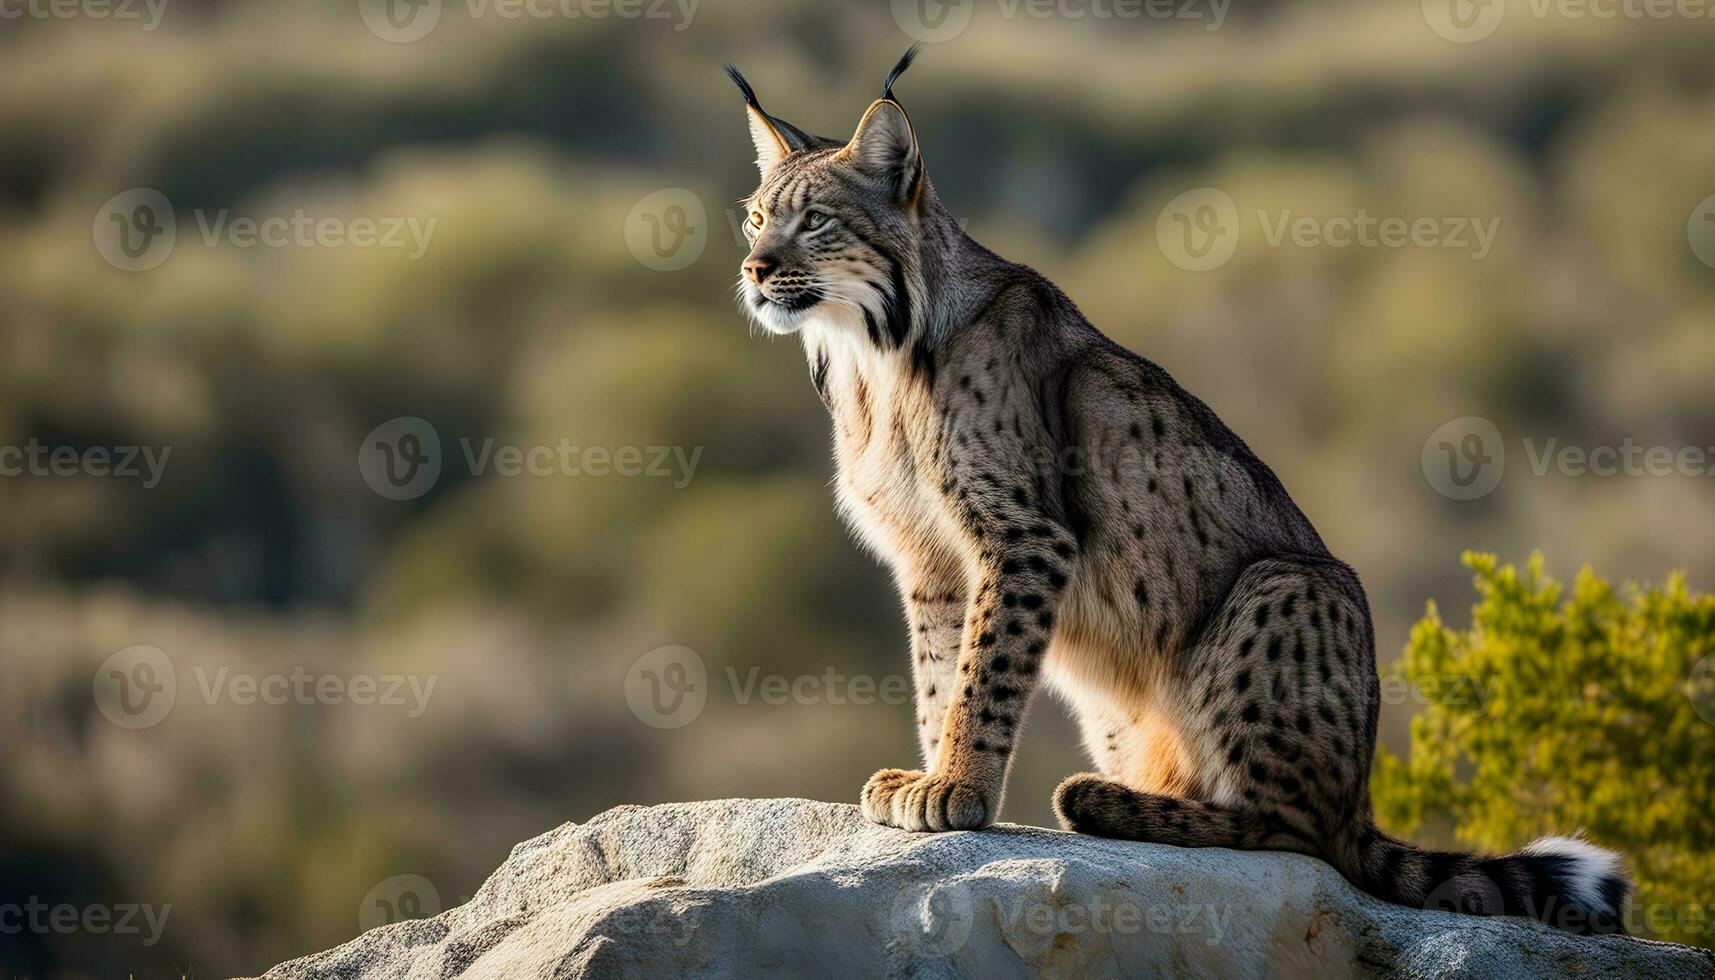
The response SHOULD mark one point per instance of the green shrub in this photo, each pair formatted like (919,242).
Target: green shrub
(1596,711)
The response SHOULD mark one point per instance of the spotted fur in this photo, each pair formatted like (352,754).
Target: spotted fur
(1055,508)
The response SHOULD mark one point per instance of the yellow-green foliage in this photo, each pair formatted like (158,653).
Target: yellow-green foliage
(1596,711)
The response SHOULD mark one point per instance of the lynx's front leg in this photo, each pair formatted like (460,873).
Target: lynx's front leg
(1022,561)
(935,601)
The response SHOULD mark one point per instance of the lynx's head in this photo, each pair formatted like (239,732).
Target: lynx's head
(836,228)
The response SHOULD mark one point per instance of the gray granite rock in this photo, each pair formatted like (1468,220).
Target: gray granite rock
(743,888)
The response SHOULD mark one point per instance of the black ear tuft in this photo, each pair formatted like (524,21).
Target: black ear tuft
(792,136)
(743,86)
(892,76)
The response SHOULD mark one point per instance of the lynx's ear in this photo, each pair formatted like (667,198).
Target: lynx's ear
(885,144)
(774,138)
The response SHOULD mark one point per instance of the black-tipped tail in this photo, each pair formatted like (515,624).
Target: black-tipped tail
(1567,882)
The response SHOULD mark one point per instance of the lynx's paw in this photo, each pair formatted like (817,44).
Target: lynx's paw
(912,800)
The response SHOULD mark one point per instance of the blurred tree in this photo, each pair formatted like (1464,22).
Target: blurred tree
(1596,712)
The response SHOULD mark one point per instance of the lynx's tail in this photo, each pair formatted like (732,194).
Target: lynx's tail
(1566,882)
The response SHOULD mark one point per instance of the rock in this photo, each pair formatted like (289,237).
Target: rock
(746,888)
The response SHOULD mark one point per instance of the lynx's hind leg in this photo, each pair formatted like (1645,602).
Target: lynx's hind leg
(1279,699)
(1092,804)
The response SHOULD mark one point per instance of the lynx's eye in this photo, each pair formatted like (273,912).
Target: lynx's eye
(814,219)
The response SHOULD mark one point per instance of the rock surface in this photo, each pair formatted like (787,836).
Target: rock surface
(745,888)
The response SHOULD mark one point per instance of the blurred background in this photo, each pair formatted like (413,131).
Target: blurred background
(387,476)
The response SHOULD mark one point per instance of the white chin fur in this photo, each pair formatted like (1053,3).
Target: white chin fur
(775,318)
(1589,867)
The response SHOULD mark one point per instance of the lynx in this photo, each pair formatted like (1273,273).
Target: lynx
(1055,508)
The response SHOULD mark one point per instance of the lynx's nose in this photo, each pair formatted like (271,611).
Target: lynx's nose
(757,268)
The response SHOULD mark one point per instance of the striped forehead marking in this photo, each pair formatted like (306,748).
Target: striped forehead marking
(793,188)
